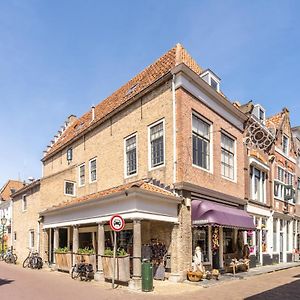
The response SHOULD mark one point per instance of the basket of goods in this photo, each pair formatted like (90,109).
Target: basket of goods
(194,276)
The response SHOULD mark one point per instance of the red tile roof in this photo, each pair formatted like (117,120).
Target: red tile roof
(147,77)
(6,190)
(141,184)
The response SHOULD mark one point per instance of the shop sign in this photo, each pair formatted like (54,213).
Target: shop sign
(117,223)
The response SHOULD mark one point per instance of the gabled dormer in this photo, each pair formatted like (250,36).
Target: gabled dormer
(211,78)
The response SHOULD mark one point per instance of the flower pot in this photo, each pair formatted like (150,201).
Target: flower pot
(122,269)
(63,261)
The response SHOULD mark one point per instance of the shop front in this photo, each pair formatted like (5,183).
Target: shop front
(260,240)
(219,230)
(82,226)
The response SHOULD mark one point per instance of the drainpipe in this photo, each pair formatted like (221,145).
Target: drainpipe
(174,129)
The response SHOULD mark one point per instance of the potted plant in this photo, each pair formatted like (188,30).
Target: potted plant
(63,259)
(86,255)
(122,266)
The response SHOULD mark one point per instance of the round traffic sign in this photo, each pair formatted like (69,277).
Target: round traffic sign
(116,223)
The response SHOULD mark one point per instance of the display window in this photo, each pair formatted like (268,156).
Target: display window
(200,238)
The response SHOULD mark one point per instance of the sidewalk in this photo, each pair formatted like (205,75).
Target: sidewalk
(244,275)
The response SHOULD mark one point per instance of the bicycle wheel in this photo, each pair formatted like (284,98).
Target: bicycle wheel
(39,263)
(26,263)
(15,258)
(74,272)
(8,259)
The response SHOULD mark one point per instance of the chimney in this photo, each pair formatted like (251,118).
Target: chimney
(93,113)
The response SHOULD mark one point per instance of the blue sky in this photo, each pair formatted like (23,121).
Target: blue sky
(59,57)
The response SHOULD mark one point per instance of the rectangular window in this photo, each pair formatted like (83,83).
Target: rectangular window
(69,188)
(227,156)
(24,203)
(258,183)
(93,170)
(82,175)
(285,144)
(157,144)
(201,142)
(31,239)
(130,155)
(69,154)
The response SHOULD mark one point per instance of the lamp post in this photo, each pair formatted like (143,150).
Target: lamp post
(3,222)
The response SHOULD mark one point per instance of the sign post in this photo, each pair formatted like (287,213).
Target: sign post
(117,224)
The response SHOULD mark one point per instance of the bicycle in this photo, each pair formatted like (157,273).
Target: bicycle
(82,270)
(33,260)
(10,257)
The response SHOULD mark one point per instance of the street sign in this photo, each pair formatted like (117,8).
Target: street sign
(117,223)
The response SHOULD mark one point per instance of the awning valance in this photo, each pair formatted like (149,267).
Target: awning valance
(209,213)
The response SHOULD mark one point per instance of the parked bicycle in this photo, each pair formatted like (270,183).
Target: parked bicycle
(33,260)
(82,270)
(10,257)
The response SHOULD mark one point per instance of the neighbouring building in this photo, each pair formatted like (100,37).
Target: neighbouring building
(26,223)
(6,191)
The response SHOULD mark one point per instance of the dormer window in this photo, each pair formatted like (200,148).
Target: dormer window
(212,79)
(259,113)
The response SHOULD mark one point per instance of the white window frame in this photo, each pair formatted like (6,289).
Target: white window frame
(74,183)
(149,145)
(211,142)
(90,171)
(234,179)
(79,181)
(287,146)
(23,202)
(125,155)
(262,188)
(31,239)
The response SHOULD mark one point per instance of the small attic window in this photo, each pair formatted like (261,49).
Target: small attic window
(131,89)
(69,155)
(212,79)
(259,113)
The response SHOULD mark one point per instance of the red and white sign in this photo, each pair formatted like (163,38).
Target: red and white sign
(116,223)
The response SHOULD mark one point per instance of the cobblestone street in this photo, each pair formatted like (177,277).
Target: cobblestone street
(17,283)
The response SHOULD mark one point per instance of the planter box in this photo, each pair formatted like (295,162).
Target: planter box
(63,261)
(122,268)
(87,258)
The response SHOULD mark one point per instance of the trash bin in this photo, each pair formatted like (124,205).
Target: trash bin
(147,276)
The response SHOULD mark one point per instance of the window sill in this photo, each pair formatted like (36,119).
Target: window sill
(130,176)
(70,195)
(202,169)
(157,167)
(229,179)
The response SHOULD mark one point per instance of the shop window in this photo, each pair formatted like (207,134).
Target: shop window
(264,235)
(31,239)
(156,133)
(201,143)
(227,156)
(275,235)
(131,156)
(200,238)
(228,240)
(124,240)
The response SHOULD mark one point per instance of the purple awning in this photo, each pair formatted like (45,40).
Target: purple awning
(209,213)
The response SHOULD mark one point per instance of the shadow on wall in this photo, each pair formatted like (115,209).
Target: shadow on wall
(5,281)
(290,291)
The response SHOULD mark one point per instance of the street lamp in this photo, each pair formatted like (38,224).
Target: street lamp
(3,222)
